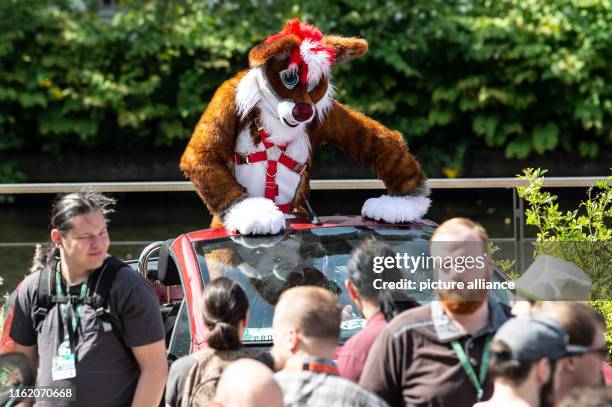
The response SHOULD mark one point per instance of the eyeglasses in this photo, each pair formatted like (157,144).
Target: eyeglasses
(602,352)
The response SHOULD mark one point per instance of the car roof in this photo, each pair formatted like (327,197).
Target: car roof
(304,224)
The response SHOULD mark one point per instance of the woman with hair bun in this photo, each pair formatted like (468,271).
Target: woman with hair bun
(193,379)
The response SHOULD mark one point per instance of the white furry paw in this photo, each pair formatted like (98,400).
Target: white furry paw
(254,216)
(396,209)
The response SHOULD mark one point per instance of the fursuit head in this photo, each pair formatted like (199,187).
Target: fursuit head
(250,152)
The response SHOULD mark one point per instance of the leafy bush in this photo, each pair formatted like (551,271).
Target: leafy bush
(580,236)
(520,76)
(554,225)
(586,229)
(605,308)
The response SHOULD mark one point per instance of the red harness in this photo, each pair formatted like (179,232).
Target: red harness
(277,155)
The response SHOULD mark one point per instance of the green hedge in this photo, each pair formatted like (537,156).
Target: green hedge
(452,75)
(605,308)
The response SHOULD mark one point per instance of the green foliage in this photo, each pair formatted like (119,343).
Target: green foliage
(452,75)
(580,236)
(505,265)
(585,224)
(605,308)
(9,173)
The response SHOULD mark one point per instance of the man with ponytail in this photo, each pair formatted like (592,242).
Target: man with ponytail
(84,319)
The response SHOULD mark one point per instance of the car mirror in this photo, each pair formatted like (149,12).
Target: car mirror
(15,372)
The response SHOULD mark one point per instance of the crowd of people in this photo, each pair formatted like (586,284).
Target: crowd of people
(463,349)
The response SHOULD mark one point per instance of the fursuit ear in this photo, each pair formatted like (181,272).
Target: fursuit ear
(274,46)
(346,48)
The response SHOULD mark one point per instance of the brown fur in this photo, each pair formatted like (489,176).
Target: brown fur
(207,158)
(365,139)
(207,161)
(260,54)
(346,48)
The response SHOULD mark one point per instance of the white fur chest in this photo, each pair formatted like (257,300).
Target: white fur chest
(253,176)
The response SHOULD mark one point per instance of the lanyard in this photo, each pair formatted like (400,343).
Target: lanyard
(465,364)
(315,365)
(70,314)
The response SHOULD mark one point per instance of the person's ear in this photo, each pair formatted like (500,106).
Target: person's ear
(293,340)
(352,291)
(245,321)
(569,364)
(56,237)
(543,371)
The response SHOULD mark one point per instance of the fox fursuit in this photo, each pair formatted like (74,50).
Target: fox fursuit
(250,151)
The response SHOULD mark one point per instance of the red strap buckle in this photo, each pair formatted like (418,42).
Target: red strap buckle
(249,159)
(239,159)
(299,168)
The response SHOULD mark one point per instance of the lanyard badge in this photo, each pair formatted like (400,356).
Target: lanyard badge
(478,382)
(63,365)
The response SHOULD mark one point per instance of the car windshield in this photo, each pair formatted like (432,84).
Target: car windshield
(265,266)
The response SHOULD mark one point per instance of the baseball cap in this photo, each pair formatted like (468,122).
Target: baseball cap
(535,337)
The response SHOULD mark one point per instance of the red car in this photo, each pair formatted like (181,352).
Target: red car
(303,254)
(265,266)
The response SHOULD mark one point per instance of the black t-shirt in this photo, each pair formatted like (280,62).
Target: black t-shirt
(106,374)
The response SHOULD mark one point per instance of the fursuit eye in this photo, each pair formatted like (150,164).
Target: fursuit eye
(289,78)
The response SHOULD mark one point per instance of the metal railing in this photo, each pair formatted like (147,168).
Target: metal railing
(332,184)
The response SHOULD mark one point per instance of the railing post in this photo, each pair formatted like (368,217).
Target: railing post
(518,214)
(522,234)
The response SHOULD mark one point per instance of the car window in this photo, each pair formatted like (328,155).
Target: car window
(265,266)
(180,342)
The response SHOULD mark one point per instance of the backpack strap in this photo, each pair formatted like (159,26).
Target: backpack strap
(101,281)
(46,292)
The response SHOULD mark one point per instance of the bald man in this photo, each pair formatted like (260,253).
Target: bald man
(306,327)
(247,383)
(435,355)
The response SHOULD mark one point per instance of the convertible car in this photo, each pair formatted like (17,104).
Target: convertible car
(303,254)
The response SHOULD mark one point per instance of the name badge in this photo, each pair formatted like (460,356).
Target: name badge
(63,366)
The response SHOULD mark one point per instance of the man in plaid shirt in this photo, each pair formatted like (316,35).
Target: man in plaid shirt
(307,327)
